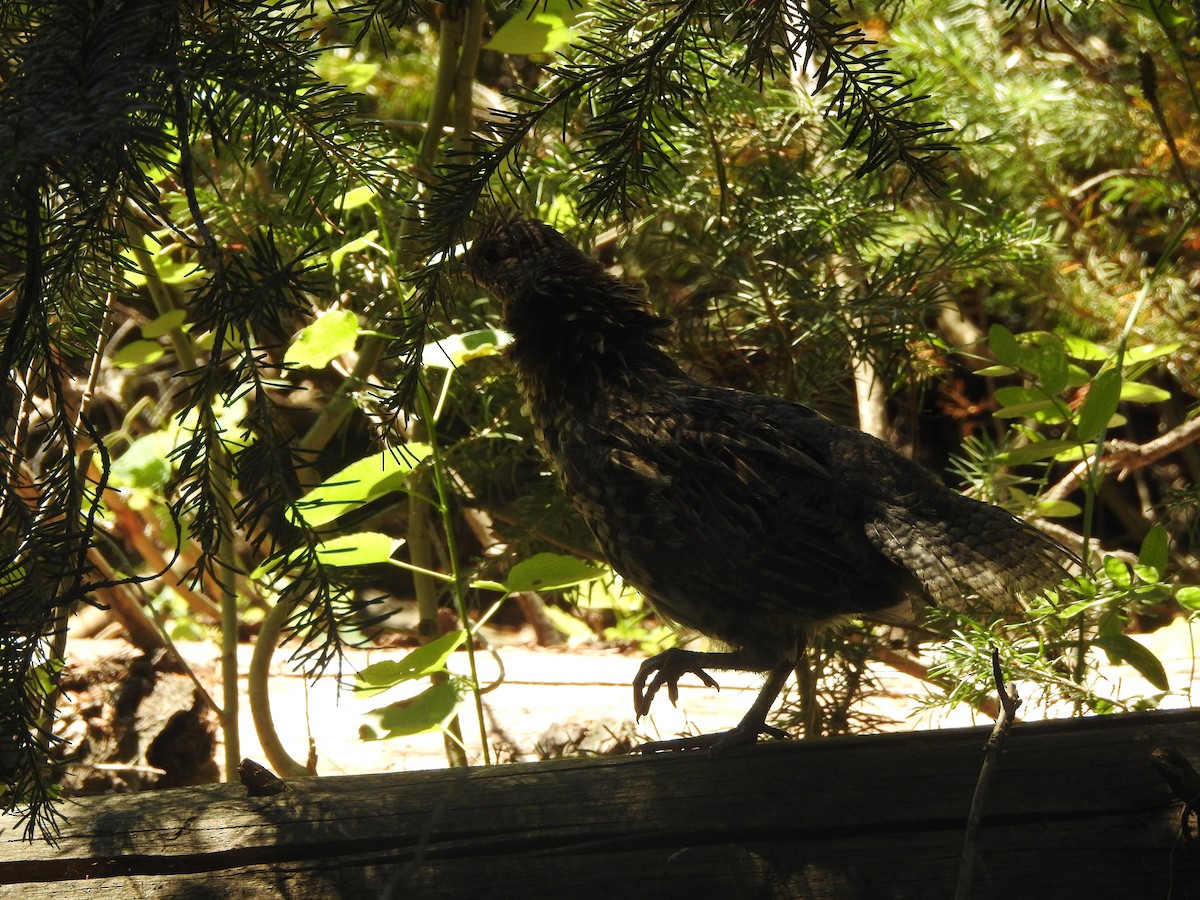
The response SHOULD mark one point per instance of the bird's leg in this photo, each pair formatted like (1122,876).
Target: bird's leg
(745,733)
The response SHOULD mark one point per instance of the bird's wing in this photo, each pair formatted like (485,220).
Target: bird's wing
(737,493)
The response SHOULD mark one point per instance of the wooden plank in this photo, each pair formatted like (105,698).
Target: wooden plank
(1076,809)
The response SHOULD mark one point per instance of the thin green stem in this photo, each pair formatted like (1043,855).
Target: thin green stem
(1095,472)
(460,600)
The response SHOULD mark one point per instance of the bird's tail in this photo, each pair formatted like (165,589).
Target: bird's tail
(972,556)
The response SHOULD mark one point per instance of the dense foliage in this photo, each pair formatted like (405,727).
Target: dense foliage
(224,234)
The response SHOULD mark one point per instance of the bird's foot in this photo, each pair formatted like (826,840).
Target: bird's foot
(717,744)
(667,668)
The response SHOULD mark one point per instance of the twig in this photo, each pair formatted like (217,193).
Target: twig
(1009,702)
(1125,456)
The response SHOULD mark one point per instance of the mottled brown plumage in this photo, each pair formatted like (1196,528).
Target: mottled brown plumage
(748,518)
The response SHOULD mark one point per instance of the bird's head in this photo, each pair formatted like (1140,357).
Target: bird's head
(560,304)
(512,259)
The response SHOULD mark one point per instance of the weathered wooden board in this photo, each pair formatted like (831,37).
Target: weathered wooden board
(1076,810)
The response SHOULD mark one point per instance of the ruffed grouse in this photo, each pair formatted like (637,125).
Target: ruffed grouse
(748,518)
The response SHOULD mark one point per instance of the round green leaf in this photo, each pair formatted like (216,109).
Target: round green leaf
(145,464)
(1048,361)
(137,353)
(333,333)
(545,29)
(166,322)
(1117,572)
(1188,598)
(359,196)
(359,243)
(1004,345)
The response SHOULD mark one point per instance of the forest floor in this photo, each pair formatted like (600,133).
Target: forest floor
(556,697)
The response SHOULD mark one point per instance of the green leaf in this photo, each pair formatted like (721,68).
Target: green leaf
(365,548)
(544,31)
(1004,345)
(561,212)
(1081,348)
(1043,410)
(1033,452)
(333,333)
(356,76)
(427,711)
(1150,351)
(1077,376)
(1117,572)
(1079,606)
(1099,405)
(138,353)
(452,351)
(379,677)
(1047,360)
(996,371)
(1077,452)
(145,464)
(1057,509)
(356,197)
(1155,549)
(360,483)
(1148,574)
(172,319)
(550,572)
(1010,396)
(1188,598)
(1136,392)
(1126,649)
(359,243)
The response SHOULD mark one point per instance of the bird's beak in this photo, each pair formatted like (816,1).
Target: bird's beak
(454,261)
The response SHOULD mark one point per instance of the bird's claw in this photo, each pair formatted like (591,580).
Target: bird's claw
(667,668)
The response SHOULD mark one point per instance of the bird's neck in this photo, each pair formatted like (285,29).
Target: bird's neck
(572,357)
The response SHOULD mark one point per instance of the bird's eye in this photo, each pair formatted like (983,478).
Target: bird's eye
(488,253)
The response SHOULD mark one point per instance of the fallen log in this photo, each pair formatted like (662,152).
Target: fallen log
(1076,808)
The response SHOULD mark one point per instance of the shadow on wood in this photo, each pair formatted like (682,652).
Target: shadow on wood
(1077,809)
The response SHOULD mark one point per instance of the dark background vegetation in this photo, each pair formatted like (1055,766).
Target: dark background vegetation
(969,227)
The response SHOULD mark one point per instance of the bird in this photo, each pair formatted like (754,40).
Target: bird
(749,518)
